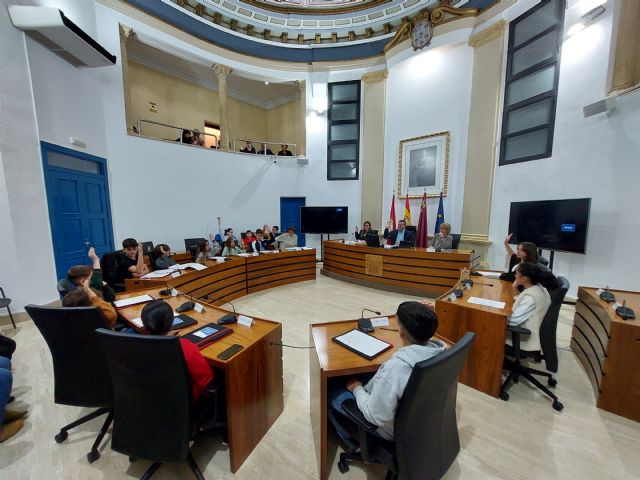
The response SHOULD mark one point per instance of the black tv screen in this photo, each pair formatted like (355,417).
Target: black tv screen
(324,219)
(560,225)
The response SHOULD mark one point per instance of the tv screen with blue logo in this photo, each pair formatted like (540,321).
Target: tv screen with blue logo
(560,225)
(324,219)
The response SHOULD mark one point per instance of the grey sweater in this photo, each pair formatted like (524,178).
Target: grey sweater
(378,399)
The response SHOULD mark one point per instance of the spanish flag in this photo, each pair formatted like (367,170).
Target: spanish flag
(407,211)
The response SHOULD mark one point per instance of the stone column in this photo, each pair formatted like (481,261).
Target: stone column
(624,58)
(125,34)
(484,125)
(222,72)
(372,159)
(302,137)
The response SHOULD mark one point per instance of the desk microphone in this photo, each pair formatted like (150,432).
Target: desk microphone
(368,310)
(625,312)
(229,318)
(364,324)
(167,290)
(607,296)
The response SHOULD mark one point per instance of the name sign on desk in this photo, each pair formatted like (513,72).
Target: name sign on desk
(175,274)
(174,292)
(380,322)
(452,297)
(244,320)
(198,308)
(486,302)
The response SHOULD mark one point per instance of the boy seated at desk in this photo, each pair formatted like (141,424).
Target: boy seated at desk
(163,257)
(378,398)
(157,318)
(84,296)
(79,274)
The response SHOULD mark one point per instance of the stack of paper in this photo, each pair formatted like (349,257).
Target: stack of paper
(486,302)
(489,274)
(157,274)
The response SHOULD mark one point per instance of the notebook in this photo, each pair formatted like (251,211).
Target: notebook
(207,334)
(364,345)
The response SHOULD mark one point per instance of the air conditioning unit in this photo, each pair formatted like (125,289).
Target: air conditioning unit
(49,27)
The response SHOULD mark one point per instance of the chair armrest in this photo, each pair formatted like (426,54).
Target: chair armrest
(355,415)
(214,386)
(518,330)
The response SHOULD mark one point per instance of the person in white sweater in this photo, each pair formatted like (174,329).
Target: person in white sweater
(378,399)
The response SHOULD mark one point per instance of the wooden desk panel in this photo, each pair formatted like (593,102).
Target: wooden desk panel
(275,269)
(483,368)
(329,359)
(609,350)
(411,270)
(253,377)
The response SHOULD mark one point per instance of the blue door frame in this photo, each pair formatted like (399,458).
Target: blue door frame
(79,207)
(290,215)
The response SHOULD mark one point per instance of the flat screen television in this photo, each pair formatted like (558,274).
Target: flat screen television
(324,219)
(560,225)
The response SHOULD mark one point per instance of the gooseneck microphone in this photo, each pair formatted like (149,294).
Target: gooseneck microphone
(364,324)
(229,318)
(368,310)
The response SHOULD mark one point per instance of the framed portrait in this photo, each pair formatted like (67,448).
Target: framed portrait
(423,163)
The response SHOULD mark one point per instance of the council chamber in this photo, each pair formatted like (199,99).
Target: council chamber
(319,239)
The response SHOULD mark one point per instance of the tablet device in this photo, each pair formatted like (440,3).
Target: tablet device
(366,346)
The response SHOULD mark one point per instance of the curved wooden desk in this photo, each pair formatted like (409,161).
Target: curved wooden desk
(483,368)
(404,270)
(608,348)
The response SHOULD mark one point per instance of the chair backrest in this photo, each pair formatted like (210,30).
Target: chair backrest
(455,241)
(147,247)
(109,267)
(81,375)
(543,261)
(426,432)
(152,260)
(191,242)
(65,286)
(152,396)
(550,323)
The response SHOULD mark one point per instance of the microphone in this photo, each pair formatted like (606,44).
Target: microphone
(166,291)
(625,312)
(229,318)
(364,324)
(368,310)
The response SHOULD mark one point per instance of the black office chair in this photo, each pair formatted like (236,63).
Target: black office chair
(109,267)
(543,261)
(147,247)
(65,286)
(81,375)
(154,419)
(4,303)
(425,429)
(455,241)
(548,353)
(152,256)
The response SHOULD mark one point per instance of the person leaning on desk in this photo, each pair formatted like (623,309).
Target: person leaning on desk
(400,234)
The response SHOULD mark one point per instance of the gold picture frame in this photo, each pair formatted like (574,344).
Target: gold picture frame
(423,164)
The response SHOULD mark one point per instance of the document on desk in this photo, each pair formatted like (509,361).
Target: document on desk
(364,345)
(489,274)
(486,302)
(157,274)
(195,266)
(127,302)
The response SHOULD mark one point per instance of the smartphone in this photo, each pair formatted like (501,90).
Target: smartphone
(230,352)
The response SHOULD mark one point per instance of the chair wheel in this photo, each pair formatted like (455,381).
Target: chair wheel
(93,455)
(343,466)
(61,437)
(557,406)
(504,396)
(552,382)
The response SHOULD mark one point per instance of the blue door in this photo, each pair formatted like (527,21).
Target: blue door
(290,215)
(79,208)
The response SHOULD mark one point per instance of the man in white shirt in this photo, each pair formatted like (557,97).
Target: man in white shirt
(287,240)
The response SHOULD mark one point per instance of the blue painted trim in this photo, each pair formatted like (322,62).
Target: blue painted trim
(46,147)
(247,46)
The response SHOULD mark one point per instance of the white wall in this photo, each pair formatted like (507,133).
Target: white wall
(428,93)
(597,157)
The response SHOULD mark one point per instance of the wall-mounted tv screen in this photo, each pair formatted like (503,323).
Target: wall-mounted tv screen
(560,225)
(324,219)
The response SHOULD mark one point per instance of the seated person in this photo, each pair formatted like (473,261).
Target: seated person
(532,303)
(230,248)
(186,137)
(264,150)
(442,241)
(284,151)
(11,421)
(248,147)
(287,240)
(163,257)
(86,297)
(526,252)
(131,261)
(247,239)
(227,233)
(362,234)
(257,244)
(203,251)
(267,237)
(157,318)
(197,138)
(378,398)
(77,275)
(400,234)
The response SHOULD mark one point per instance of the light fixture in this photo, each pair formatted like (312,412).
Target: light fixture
(266,83)
(587,19)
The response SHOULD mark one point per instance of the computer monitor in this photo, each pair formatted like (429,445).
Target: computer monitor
(191,242)
(147,247)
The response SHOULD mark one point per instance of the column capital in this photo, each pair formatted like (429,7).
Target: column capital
(379,76)
(125,33)
(302,86)
(485,36)
(221,71)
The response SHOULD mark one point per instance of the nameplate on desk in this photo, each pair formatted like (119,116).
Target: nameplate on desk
(175,274)
(380,322)
(244,320)
(486,302)
(174,292)
(127,302)
(452,297)
(616,305)
(198,308)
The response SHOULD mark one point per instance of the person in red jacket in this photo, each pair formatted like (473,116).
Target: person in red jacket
(157,318)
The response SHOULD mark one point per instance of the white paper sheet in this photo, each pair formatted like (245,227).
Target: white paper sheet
(489,274)
(363,343)
(218,259)
(195,266)
(157,274)
(125,302)
(486,302)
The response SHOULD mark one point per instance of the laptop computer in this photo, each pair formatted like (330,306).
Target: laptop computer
(372,240)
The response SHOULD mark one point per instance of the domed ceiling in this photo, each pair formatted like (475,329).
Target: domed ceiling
(304,30)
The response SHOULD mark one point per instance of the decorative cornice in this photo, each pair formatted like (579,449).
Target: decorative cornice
(379,76)
(315,11)
(485,36)
(475,239)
